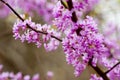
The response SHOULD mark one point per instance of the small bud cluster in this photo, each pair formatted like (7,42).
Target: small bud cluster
(21,31)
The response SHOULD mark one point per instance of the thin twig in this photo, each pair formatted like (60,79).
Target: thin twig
(112,68)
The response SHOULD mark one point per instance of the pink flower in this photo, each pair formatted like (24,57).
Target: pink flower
(94,77)
(82,44)
(24,33)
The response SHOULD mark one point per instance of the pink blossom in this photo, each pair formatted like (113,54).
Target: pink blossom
(22,32)
(94,77)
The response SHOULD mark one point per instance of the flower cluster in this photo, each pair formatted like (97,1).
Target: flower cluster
(32,33)
(20,76)
(17,76)
(84,5)
(41,7)
(82,44)
(62,17)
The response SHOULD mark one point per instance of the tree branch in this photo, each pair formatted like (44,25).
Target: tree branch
(74,16)
(70,7)
(99,71)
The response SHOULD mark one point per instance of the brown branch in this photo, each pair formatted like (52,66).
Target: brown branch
(70,7)
(70,4)
(74,16)
(45,33)
(99,71)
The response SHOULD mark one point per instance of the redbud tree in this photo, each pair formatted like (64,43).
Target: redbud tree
(82,42)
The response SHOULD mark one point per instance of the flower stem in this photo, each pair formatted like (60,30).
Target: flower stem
(45,33)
